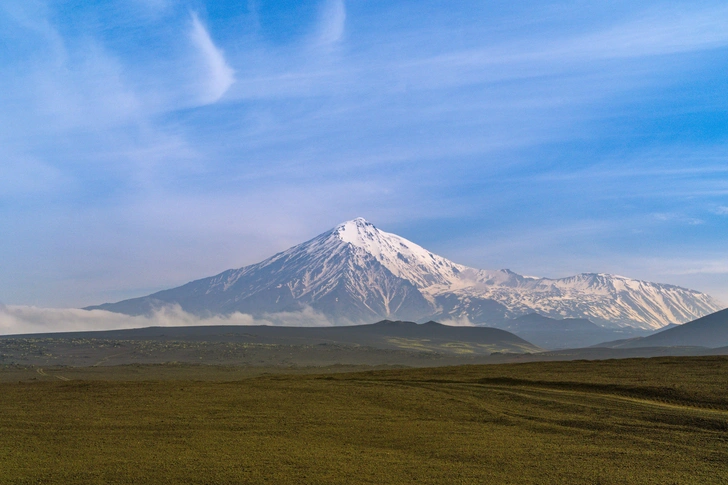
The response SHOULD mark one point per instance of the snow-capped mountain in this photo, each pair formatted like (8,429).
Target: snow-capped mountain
(358,273)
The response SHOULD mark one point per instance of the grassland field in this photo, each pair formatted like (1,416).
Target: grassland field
(659,420)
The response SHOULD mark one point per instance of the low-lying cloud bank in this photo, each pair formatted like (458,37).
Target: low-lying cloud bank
(29,319)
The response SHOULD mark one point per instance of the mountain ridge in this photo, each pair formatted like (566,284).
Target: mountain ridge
(429,337)
(356,273)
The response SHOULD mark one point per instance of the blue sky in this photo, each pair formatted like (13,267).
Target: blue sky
(146,143)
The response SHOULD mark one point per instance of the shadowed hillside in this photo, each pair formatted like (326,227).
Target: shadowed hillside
(710,331)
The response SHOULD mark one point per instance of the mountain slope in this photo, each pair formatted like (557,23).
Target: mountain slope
(709,331)
(569,333)
(357,273)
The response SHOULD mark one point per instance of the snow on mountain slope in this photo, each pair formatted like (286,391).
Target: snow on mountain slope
(325,266)
(356,272)
(602,298)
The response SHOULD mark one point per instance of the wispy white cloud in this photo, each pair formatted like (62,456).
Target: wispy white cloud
(24,175)
(333,22)
(662,31)
(463,321)
(722,210)
(701,270)
(695,266)
(220,76)
(18,319)
(33,16)
(678,218)
(563,57)
(62,85)
(666,31)
(154,6)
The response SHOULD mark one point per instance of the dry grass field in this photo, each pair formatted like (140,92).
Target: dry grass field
(658,421)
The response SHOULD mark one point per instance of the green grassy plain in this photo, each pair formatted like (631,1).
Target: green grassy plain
(661,421)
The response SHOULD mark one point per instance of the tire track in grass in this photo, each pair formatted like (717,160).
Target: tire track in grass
(462,392)
(40,371)
(574,397)
(535,390)
(110,357)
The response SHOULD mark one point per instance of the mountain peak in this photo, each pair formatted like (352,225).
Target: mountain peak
(359,220)
(402,257)
(356,231)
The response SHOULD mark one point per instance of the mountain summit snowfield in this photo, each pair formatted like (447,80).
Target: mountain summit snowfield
(357,273)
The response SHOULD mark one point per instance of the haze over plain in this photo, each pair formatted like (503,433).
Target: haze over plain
(148,144)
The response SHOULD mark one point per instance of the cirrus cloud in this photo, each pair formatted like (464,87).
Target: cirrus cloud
(220,76)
